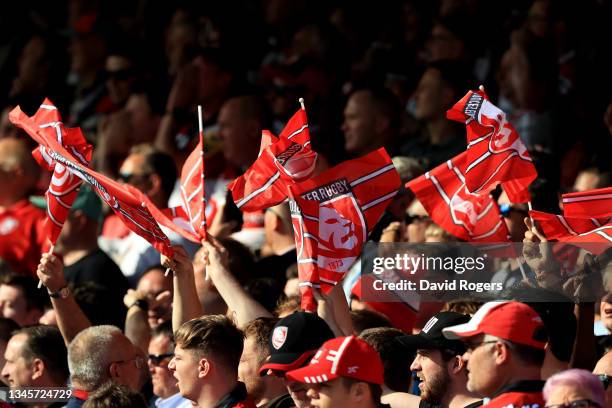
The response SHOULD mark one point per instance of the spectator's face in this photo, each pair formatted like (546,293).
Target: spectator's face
(329,394)
(567,393)
(134,172)
(415,230)
(248,370)
(13,305)
(238,135)
(298,393)
(164,384)
(128,369)
(431,369)
(185,368)
(152,285)
(444,45)
(359,125)
(605,310)
(586,180)
(432,96)
(17,372)
(119,78)
(481,366)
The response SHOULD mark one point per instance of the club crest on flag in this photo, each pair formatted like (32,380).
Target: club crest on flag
(462,208)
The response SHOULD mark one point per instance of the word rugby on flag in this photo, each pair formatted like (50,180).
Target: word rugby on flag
(130,209)
(64,185)
(468,216)
(286,159)
(495,152)
(586,204)
(333,214)
(593,234)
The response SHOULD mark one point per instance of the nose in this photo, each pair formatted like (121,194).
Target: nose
(416,365)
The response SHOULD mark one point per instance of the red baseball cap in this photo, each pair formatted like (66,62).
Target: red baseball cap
(348,357)
(512,321)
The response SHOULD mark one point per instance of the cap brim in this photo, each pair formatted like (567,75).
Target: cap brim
(415,341)
(461,331)
(285,361)
(311,374)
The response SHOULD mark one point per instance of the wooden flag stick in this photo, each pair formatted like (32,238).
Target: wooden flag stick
(51,248)
(201,135)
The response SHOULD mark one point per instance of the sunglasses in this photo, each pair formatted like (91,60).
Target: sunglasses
(127,177)
(605,380)
(583,403)
(157,359)
(422,218)
(120,75)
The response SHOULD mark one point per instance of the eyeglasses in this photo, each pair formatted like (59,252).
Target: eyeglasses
(473,346)
(583,403)
(120,75)
(138,361)
(127,177)
(156,359)
(605,380)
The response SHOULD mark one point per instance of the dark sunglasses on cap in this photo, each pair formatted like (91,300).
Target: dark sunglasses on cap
(156,359)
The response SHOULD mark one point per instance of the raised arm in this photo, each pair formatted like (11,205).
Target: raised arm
(237,299)
(70,318)
(185,305)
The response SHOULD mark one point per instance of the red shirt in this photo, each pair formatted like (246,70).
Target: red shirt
(22,236)
(524,394)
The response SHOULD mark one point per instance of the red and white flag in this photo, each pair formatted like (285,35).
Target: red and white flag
(286,159)
(64,185)
(468,216)
(586,204)
(193,192)
(592,234)
(332,215)
(127,206)
(495,152)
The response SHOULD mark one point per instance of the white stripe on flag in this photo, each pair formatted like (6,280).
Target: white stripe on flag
(372,175)
(259,190)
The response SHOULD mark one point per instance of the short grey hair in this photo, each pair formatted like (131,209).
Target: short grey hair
(90,354)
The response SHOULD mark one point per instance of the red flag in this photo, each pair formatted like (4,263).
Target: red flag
(593,234)
(130,209)
(64,185)
(468,216)
(496,153)
(286,159)
(586,204)
(333,214)
(193,192)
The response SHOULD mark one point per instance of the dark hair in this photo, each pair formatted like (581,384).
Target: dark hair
(527,354)
(396,361)
(47,344)
(111,395)
(368,319)
(34,297)
(164,329)
(288,305)
(7,327)
(385,102)
(454,75)
(241,260)
(375,389)
(267,291)
(214,336)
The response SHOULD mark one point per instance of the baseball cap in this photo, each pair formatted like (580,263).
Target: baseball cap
(294,340)
(348,357)
(86,201)
(512,321)
(431,337)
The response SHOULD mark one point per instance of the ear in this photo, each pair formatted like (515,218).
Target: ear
(456,365)
(38,368)
(204,367)
(156,184)
(113,370)
(502,353)
(360,392)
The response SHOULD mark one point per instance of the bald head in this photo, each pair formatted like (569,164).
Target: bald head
(18,170)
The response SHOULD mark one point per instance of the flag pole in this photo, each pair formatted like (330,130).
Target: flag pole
(301,101)
(201,135)
(51,248)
